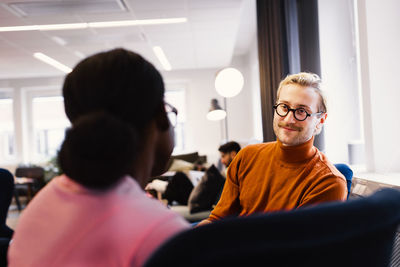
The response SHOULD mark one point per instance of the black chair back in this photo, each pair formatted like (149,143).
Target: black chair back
(4,244)
(357,232)
(6,194)
(34,172)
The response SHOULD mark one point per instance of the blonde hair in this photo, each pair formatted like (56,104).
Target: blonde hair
(307,80)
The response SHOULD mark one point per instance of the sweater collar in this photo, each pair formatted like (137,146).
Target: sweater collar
(297,153)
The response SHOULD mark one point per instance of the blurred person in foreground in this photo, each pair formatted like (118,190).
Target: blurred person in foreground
(96,213)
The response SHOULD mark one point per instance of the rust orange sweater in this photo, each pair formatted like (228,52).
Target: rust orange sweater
(271,177)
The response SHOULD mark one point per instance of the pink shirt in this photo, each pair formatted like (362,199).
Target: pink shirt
(69,225)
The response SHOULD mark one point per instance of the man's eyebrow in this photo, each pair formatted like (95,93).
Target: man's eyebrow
(282,101)
(304,106)
(297,106)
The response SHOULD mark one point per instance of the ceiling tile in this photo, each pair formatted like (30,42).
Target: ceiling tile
(207,40)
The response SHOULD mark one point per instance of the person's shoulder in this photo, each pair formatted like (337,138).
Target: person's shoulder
(147,219)
(132,197)
(327,167)
(254,148)
(41,201)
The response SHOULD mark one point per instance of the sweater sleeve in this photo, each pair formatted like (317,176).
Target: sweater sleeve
(229,203)
(328,188)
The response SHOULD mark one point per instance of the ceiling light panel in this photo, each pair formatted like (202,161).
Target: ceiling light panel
(40,8)
(123,23)
(84,25)
(162,58)
(52,62)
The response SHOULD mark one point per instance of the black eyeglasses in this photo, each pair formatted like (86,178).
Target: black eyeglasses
(172,114)
(300,114)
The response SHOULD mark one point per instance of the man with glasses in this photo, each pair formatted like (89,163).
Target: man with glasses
(290,172)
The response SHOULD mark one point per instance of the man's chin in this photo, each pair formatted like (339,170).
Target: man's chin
(288,141)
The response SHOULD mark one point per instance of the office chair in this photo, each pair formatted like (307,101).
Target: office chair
(347,173)
(4,243)
(6,194)
(30,179)
(358,232)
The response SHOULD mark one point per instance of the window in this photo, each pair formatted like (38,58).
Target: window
(33,131)
(49,123)
(176,97)
(7,138)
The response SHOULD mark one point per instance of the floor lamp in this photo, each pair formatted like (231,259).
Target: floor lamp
(217,113)
(228,83)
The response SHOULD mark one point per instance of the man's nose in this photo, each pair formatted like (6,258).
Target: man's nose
(290,117)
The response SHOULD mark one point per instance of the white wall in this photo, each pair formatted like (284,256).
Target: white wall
(252,89)
(339,75)
(244,112)
(254,78)
(383,44)
(374,31)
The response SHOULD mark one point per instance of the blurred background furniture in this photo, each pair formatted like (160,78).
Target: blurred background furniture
(195,167)
(6,194)
(4,243)
(347,173)
(358,232)
(203,197)
(193,158)
(29,180)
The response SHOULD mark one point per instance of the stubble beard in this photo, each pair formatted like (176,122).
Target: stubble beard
(299,136)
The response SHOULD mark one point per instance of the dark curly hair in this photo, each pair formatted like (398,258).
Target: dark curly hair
(229,147)
(109,98)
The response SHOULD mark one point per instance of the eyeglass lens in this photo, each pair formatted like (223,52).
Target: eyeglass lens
(172,118)
(172,114)
(300,114)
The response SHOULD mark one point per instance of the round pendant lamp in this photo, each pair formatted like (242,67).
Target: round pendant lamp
(229,82)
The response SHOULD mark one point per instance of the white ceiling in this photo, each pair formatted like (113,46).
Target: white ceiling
(216,30)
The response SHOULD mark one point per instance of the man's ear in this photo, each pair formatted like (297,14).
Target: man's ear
(320,123)
(322,119)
